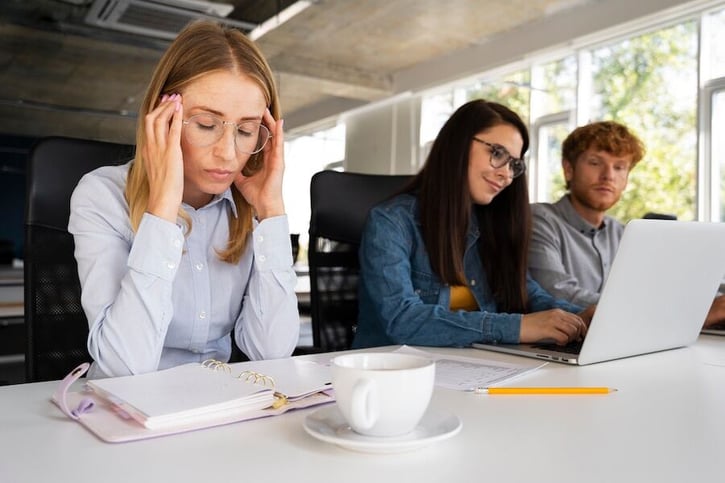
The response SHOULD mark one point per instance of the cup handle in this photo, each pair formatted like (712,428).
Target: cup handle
(364,409)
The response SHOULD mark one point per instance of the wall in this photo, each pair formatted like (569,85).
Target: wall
(383,138)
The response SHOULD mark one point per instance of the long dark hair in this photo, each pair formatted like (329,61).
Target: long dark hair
(445,208)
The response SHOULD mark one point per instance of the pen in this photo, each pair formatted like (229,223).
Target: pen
(543,390)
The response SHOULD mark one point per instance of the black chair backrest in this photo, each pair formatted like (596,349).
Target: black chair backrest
(340,203)
(57,329)
(650,215)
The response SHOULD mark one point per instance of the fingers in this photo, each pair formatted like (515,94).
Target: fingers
(274,150)
(163,156)
(274,126)
(176,123)
(570,327)
(156,122)
(563,327)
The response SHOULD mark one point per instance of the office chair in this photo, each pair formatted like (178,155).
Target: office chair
(340,203)
(56,327)
(650,215)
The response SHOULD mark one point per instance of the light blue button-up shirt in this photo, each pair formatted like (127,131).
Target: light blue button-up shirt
(157,298)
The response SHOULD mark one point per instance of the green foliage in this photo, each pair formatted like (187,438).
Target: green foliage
(649,83)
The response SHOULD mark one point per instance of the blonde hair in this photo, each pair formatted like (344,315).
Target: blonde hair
(203,47)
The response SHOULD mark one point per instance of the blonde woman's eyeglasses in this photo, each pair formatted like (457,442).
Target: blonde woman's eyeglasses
(203,130)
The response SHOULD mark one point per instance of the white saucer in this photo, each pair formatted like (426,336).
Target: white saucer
(327,424)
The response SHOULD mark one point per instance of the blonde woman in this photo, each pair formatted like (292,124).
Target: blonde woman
(188,244)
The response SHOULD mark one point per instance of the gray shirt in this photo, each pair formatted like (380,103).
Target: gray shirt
(568,256)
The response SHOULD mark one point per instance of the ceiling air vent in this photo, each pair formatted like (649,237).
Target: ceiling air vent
(158,18)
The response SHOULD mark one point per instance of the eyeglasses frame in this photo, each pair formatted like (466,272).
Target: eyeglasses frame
(186,122)
(510,161)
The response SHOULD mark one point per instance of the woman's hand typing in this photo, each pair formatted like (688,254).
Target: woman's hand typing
(558,325)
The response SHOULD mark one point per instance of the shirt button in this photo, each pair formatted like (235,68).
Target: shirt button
(473,282)
(262,258)
(200,266)
(170,265)
(260,238)
(177,243)
(202,315)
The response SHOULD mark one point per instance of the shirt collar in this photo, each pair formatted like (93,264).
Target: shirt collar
(570,215)
(225,197)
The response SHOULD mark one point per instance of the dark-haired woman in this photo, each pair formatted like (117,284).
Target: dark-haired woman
(444,262)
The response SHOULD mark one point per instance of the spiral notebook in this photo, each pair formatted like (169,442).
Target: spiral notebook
(195,396)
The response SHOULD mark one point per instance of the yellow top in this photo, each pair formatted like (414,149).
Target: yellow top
(462,298)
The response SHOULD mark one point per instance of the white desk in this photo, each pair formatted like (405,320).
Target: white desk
(666,424)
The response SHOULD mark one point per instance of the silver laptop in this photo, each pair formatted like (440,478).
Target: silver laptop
(717,329)
(658,292)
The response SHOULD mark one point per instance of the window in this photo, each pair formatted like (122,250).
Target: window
(712,118)
(546,179)
(713,147)
(649,83)
(511,90)
(553,104)
(304,156)
(717,147)
(713,45)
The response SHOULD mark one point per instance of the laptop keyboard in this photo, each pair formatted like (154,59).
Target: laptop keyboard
(570,348)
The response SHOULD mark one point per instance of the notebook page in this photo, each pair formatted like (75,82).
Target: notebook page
(181,392)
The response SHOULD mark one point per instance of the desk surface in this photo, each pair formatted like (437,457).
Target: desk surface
(665,424)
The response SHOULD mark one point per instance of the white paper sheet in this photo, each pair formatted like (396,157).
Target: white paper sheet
(469,373)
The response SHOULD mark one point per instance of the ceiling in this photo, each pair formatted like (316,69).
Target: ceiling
(60,75)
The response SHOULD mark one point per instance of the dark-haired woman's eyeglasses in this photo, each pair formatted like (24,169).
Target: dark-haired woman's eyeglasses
(500,157)
(203,130)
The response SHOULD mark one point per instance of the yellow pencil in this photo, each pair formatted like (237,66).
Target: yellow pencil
(544,390)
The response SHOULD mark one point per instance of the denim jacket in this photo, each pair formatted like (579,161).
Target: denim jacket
(402,301)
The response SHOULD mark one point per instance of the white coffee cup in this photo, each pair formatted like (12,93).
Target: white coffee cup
(382,394)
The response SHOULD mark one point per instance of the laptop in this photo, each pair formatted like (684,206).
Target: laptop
(717,329)
(658,292)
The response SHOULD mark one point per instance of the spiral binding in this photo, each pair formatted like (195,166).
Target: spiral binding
(248,376)
(216,365)
(256,378)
